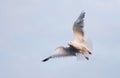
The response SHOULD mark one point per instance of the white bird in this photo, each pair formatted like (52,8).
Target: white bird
(76,47)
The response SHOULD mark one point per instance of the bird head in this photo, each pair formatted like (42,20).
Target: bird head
(70,43)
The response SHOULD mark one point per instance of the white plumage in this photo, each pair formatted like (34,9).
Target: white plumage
(78,46)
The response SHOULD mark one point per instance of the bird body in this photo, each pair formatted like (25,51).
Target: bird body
(76,47)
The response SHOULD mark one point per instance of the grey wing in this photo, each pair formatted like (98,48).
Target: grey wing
(64,51)
(78,28)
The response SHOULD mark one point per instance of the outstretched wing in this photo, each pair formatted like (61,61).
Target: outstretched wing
(65,51)
(78,28)
(62,52)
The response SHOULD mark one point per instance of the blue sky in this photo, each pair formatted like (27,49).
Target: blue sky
(30,30)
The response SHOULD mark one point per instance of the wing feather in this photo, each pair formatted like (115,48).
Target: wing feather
(64,51)
(78,28)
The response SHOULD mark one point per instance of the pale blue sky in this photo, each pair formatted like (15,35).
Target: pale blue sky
(30,30)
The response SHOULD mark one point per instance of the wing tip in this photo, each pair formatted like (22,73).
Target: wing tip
(82,14)
(46,59)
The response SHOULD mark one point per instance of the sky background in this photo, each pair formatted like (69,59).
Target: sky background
(30,30)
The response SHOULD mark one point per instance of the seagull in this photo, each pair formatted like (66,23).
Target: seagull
(78,46)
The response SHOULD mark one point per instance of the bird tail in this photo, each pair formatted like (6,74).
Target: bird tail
(46,59)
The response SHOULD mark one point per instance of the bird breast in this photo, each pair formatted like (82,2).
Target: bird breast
(79,46)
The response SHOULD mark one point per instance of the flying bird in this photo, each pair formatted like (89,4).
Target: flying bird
(78,46)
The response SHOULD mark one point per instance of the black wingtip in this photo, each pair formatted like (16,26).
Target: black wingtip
(46,59)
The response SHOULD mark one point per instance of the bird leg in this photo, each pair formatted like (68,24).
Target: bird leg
(88,50)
